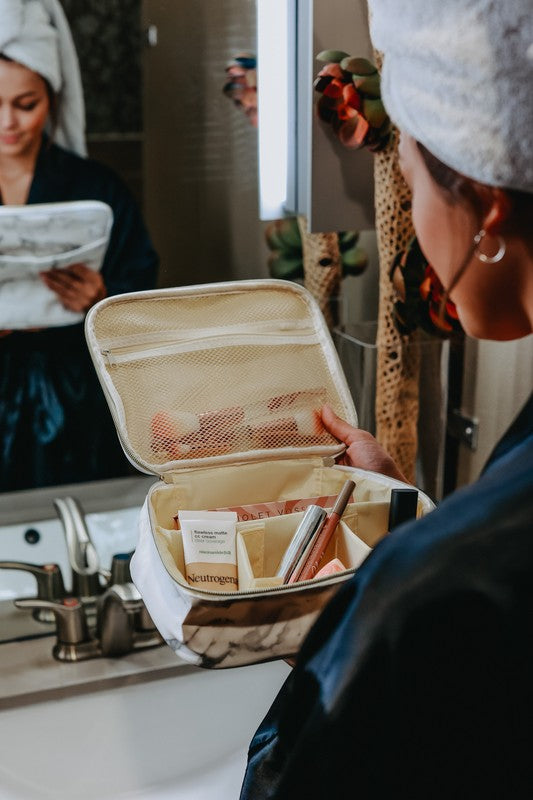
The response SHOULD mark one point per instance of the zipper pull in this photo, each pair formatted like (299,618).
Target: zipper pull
(108,356)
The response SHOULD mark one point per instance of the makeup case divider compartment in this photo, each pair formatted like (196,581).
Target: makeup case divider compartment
(216,389)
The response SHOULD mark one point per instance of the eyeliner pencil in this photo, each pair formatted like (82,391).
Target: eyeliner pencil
(328,529)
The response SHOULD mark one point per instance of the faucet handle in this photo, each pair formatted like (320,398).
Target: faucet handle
(120,568)
(123,622)
(50,584)
(119,572)
(73,640)
(115,626)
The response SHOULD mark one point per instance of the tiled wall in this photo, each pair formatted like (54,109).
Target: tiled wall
(108,40)
(107,35)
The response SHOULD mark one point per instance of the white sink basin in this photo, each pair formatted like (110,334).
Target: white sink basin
(111,532)
(182,734)
(179,738)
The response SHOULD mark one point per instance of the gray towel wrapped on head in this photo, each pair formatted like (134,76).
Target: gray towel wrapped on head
(458,77)
(36,33)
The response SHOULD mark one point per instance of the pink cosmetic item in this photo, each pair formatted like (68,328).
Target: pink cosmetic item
(310,567)
(304,423)
(333,566)
(274,508)
(168,430)
(217,423)
(293,400)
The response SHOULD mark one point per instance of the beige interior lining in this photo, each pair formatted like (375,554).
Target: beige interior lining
(261,543)
(205,489)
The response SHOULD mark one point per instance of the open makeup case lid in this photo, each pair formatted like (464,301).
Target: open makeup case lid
(215,374)
(217,389)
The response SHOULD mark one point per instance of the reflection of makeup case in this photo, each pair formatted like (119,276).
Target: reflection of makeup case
(217,389)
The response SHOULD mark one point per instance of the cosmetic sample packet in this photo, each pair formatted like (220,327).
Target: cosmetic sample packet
(275,508)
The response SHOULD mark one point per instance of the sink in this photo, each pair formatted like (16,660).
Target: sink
(183,737)
(145,726)
(42,541)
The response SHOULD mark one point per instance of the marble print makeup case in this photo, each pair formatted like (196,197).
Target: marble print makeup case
(38,237)
(216,389)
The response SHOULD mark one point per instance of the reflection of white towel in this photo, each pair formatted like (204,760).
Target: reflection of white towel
(457,75)
(36,34)
(38,237)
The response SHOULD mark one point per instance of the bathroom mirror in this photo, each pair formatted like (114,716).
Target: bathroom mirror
(153,73)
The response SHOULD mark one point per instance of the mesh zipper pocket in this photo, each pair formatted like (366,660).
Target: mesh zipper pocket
(224,394)
(135,352)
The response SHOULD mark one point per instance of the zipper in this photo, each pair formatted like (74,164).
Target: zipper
(212,340)
(286,588)
(181,334)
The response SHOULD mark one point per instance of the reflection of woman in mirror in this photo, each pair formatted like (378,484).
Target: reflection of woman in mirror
(54,423)
(241,84)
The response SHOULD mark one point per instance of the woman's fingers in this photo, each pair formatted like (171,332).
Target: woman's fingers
(340,429)
(362,449)
(77,286)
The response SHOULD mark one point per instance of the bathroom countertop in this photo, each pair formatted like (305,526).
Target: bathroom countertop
(30,674)
(36,504)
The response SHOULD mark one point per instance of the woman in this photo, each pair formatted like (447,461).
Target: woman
(54,423)
(416,679)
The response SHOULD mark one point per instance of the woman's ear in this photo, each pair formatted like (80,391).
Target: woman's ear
(498,212)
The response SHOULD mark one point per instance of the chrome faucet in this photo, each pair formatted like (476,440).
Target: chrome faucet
(96,621)
(82,555)
(123,625)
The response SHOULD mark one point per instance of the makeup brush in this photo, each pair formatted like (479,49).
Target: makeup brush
(310,567)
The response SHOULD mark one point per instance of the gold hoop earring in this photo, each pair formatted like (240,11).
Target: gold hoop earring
(482,256)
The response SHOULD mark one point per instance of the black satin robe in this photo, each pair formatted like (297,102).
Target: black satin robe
(55,425)
(417,679)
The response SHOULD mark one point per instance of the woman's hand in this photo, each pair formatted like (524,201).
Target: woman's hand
(362,450)
(77,287)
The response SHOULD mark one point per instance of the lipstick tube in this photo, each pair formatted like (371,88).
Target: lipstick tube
(312,562)
(311,522)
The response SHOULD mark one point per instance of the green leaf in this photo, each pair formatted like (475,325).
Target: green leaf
(286,268)
(289,233)
(361,66)
(272,238)
(368,84)
(331,56)
(374,111)
(347,240)
(354,261)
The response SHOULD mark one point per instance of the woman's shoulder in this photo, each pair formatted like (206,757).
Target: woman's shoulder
(468,553)
(479,536)
(79,175)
